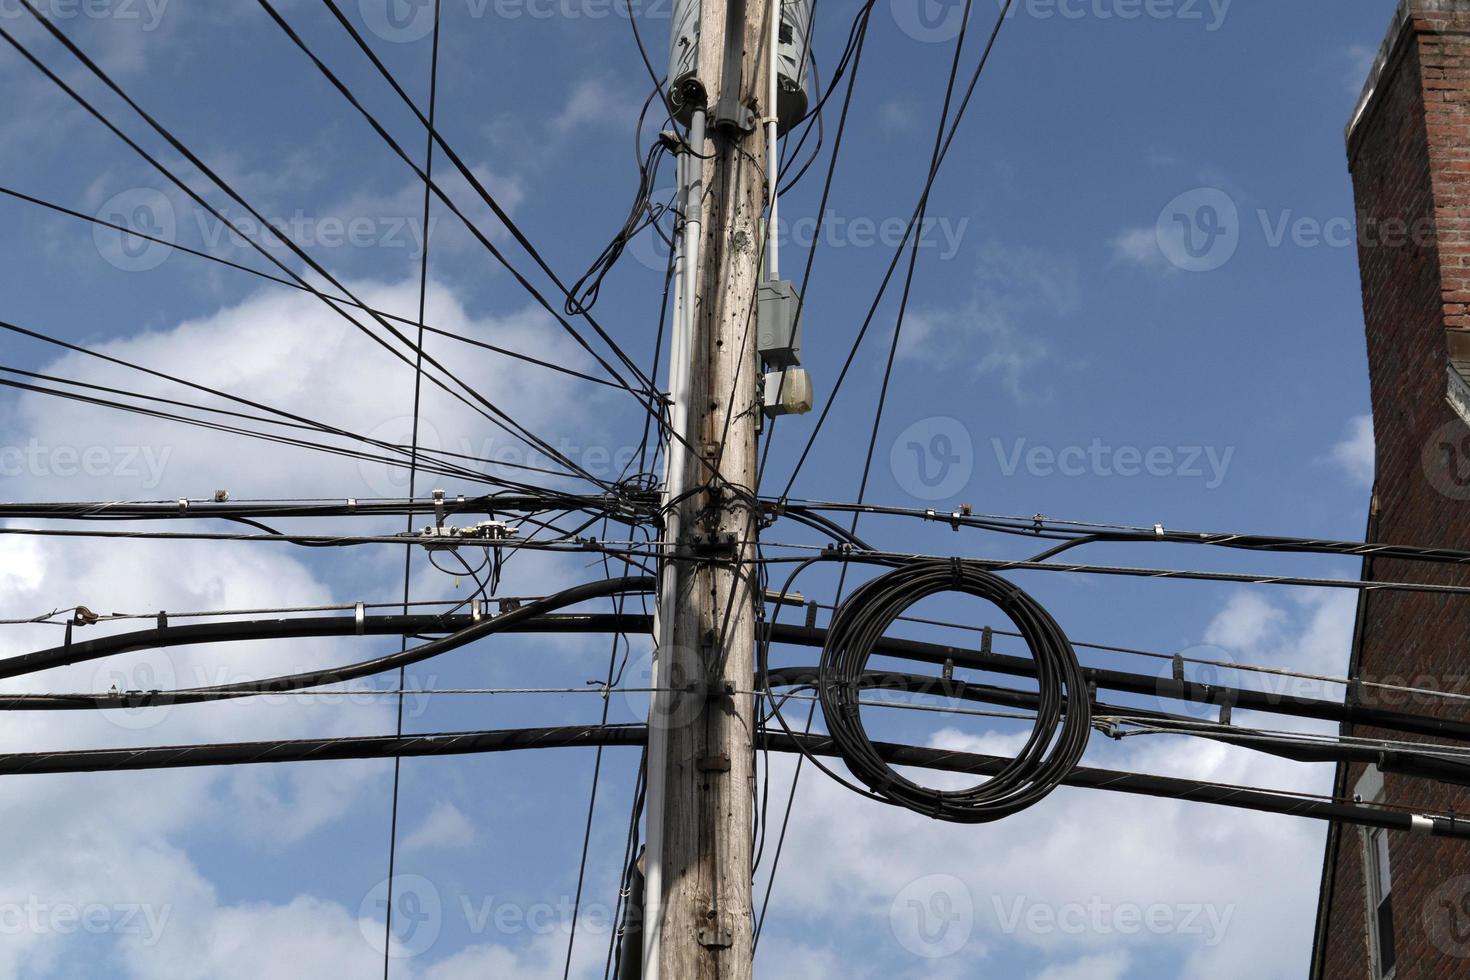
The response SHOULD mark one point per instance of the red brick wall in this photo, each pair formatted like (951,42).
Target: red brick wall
(1410,159)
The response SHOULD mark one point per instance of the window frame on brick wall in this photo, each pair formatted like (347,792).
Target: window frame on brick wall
(1377,882)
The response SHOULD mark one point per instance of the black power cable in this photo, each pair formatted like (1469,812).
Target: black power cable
(1063,718)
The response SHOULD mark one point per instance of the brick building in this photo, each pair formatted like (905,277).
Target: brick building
(1398,905)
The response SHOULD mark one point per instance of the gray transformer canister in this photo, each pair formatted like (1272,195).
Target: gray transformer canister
(686,90)
(793,55)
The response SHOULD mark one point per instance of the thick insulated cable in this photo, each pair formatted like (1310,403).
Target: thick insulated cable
(1063,717)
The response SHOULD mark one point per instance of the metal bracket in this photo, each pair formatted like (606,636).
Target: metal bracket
(716,545)
(713,763)
(718,930)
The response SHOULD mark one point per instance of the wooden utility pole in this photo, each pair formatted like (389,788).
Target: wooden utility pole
(701,765)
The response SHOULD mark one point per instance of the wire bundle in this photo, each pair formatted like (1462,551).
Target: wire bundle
(1063,715)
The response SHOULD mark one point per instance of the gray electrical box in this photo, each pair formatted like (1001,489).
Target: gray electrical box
(778,331)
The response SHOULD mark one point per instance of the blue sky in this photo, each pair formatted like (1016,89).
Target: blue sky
(1078,358)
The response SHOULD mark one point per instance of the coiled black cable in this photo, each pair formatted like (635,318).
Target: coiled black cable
(1063,713)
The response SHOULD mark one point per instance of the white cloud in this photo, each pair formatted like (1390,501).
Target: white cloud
(1246,622)
(595,102)
(1105,966)
(896,116)
(1012,289)
(1140,247)
(288,350)
(1082,850)
(1360,58)
(1356,452)
(114,840)
(445,827)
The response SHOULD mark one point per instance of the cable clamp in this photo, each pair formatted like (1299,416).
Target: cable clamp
(162,620)
(1420,825)
(1158,530)
(183,504)
(439,507)
(359,616)
(986,636)
(1178,661)
(351,504)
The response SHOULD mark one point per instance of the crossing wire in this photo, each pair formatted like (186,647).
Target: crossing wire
(418,378)
(476,401)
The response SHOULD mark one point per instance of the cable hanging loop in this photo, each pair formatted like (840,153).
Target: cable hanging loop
(1063,717)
